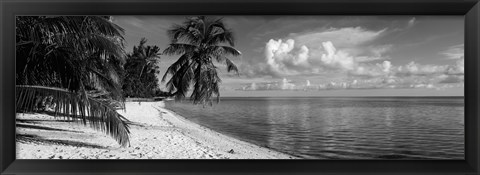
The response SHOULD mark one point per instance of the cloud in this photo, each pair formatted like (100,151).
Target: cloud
(375,53)
(413,68)
(345,58)
(344,37)
(285,84)
(458,68)
(454,52)
(284,59)
(281,58)
(338,59)
(356,41)
(391,81)
(411,22)
(453,79)
(372,70)
(317,52)
(387,65)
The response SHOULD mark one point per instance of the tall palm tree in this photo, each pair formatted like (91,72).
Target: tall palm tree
(67,57)
(199,40)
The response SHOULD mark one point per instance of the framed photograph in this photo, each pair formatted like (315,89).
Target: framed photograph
(240,87)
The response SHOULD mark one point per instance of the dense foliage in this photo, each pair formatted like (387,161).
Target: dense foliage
(72,60)
(141,68)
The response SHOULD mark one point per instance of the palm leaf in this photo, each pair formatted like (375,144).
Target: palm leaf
(63,49)
(172,69)
(72,106)
(182,33)
(180,80)
(223,50)
(222,36)
(179,48)
(231,66)
(96,24)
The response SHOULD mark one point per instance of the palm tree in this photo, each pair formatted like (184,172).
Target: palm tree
(67,58)
(199,40)
(148,55)
(140,71)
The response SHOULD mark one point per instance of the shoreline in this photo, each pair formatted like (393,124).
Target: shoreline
(156,133)
(225,136)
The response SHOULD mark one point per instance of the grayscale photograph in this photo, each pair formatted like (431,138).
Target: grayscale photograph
(240,87)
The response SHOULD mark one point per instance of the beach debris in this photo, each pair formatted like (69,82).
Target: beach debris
(231,151)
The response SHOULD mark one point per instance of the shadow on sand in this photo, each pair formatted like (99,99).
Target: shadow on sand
(35,121)
(36,139)
(43,128)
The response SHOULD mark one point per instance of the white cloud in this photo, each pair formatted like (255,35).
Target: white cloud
(335,58)
(374,53)
(287,85)
(387,65)
(352,63)
(454,52)
(373,70)
(344,37)
(458,68)
(316,52)
(282,59)
(411,22)
(308,83)
(413,68)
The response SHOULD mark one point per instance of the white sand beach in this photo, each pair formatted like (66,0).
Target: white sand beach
(156,133)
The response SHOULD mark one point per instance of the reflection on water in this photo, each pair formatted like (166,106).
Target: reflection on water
(341,128)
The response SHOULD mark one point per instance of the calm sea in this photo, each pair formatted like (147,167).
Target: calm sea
(340,128)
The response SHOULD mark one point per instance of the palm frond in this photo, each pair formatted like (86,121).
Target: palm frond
(97,24)
(180,80)
(92,43)
(223,50)
(179,48)
(106,82)
(206,84)
(72,106)
(172,69)
(221,35)
(229,63)
(182,33)
(231,66)
(61,48)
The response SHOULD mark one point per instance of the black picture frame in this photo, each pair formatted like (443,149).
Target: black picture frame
(470,9)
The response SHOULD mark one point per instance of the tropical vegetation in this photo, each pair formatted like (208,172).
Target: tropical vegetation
(74,61)
(75,67)
(140,78)
(199,41)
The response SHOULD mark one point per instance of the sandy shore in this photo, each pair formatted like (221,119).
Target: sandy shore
(156,133)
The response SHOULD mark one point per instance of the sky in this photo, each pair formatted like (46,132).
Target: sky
(329,55)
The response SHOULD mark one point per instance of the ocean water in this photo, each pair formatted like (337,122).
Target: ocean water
(340,128)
